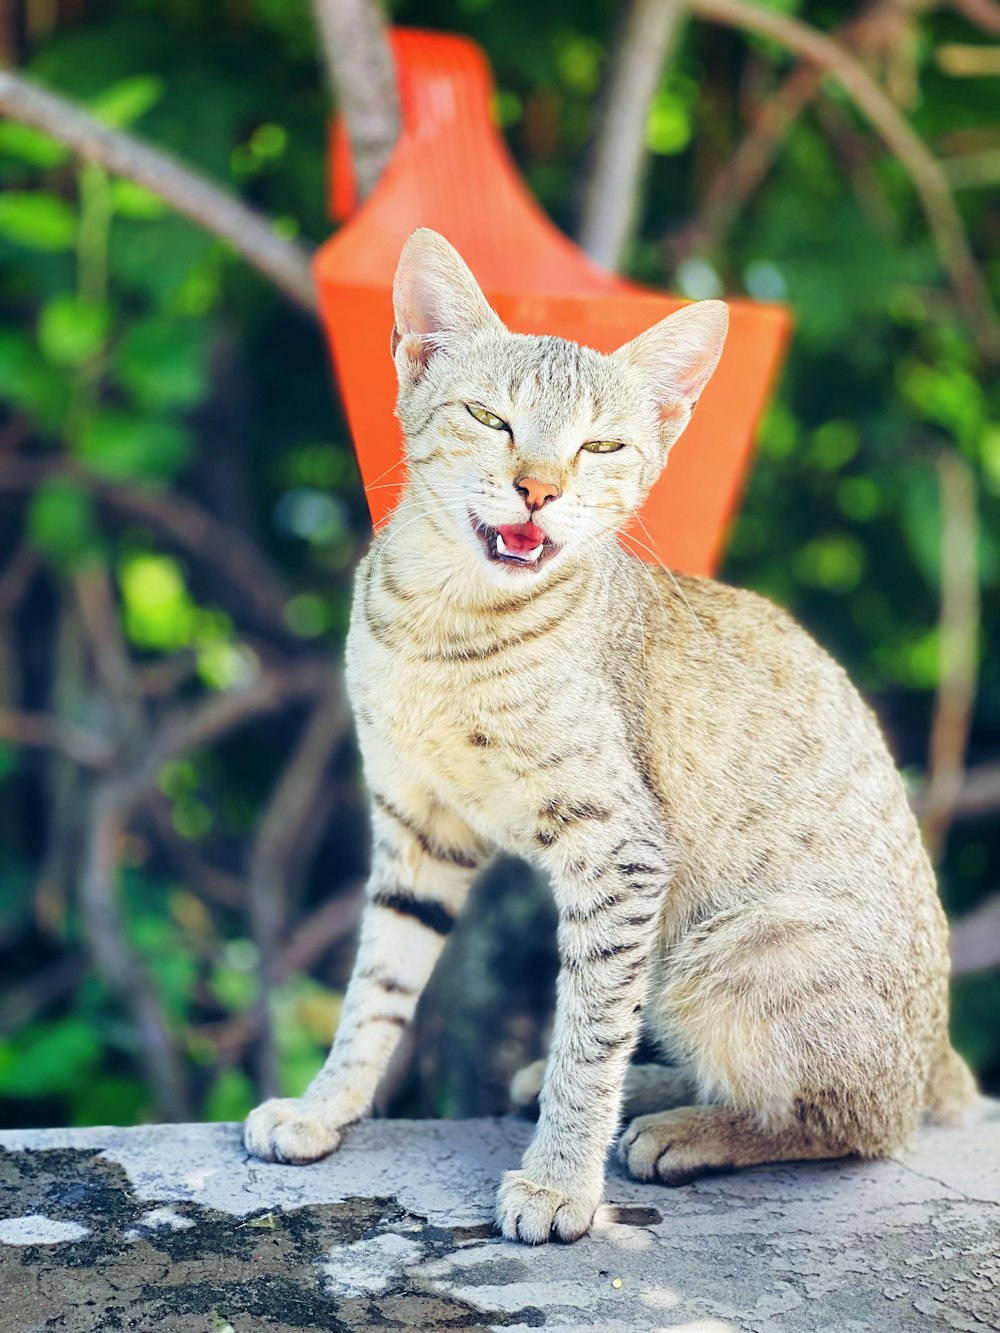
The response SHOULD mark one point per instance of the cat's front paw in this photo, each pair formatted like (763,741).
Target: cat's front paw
(284,1130)
(534,1213)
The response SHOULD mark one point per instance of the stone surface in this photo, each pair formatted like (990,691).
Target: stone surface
(174,1229)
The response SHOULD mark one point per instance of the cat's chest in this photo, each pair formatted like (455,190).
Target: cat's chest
(491,730)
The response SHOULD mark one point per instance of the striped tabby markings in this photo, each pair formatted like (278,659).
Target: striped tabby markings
(430,913)
(452,855)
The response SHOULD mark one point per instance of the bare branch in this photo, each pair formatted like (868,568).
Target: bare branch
(284,263)
(984,14)
(744,170)
(610,192)
(923,168)
(198,725)
(22,1004)
(975,939)
(221,886)
(323,928)
(978,794)
(39,731)
(15,580)
(958,632)
(180,520)
(362,73)
(115,961)
(273,854)
(99,617)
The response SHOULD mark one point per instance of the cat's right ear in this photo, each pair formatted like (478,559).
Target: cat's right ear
(435,298)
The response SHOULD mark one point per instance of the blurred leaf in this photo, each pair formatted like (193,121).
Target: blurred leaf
(124,444)
(231,1097)
(159,611)
(124,102)
(132,201)
(110,1099)
(60,522)
(163,363)
(235,988)
(48,1058)
(31,146)
(27,382)
(72,331)
(41,221)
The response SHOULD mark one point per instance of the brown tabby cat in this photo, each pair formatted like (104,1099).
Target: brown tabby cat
(730,846)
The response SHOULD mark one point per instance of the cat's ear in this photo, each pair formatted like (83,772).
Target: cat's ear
(435,298)
(677,358)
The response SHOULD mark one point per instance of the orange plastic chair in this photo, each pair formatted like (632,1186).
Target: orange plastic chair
(451,171)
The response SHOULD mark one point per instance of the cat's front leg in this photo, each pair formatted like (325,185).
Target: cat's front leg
(609,881)
(423,864)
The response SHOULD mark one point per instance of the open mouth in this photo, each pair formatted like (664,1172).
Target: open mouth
(520,544)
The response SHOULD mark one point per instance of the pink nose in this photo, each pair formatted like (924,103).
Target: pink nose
(536,493)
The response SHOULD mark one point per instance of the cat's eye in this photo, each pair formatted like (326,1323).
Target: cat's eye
(487,417)
(603,446)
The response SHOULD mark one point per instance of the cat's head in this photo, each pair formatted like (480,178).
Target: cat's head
(532,446)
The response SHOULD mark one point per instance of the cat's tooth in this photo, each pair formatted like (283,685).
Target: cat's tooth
(501,546)
(533,555)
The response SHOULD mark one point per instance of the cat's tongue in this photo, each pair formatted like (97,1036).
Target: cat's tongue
(520,538)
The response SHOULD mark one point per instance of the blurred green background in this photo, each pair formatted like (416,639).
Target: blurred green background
(181,514)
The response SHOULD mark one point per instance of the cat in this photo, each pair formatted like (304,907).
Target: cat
(731,851)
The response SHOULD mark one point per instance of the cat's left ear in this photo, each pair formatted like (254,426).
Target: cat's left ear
(435,298)
(677,358)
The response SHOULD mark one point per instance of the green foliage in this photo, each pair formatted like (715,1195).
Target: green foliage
(36,219)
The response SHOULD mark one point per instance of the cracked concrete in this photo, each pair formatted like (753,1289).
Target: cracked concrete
(175,1228)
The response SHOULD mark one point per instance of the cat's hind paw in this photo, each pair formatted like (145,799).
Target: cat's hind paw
(534,1214)
(673,1147)
(283,1130)
(525,1087)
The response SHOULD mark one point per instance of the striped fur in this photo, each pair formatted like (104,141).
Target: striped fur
(729,844)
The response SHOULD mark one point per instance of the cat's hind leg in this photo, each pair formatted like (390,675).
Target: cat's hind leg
(674,1147)
(648,1087)
(800,1029)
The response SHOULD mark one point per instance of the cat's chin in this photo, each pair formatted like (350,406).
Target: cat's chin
(520,548)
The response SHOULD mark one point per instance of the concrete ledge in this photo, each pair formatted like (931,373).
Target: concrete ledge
(172,1228)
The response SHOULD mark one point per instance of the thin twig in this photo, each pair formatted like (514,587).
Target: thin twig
(114,803)
(328,925)
(984,14)
(16,578)
(112,954)
(178,519)
(362,74)
(274,852)
(219,885)
(40,731)
(610,191)
(958,635)
(924,170)
(978,795)
(975,939)
(285,263)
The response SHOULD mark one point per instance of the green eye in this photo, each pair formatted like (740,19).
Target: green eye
(487,417)
(603,446)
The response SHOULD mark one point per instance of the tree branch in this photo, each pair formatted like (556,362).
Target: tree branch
(362,74)
(117,964)
(273,854)
(924,170)
(39,731)
(958,631)
(180,520)
(284,263)
(983,14)
(610,192)
(975,939)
